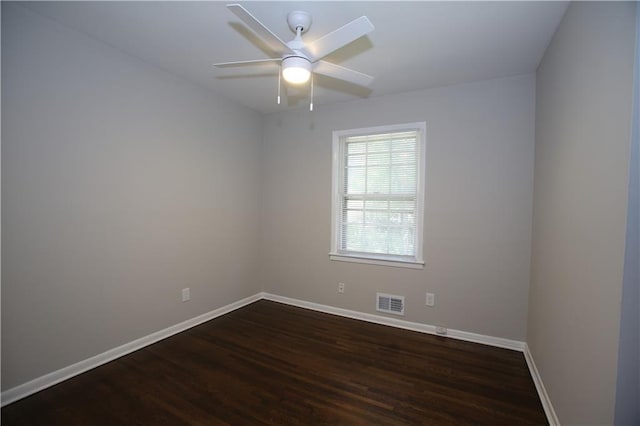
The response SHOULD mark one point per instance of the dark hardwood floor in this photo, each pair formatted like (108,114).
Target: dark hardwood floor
(270,363)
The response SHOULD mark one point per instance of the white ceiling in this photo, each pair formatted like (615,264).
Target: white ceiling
(416,45)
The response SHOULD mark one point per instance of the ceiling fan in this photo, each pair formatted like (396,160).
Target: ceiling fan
(297,59)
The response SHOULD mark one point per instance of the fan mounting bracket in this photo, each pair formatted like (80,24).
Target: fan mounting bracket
(299,19)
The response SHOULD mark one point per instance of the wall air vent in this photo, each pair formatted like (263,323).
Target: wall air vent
(390,304)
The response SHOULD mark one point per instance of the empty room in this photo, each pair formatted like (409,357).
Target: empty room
(319,212)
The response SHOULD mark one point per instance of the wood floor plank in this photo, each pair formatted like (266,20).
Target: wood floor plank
(270,363)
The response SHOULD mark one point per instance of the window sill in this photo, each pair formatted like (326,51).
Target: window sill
(376,261)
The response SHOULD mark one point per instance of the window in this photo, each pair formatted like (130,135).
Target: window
(378,195)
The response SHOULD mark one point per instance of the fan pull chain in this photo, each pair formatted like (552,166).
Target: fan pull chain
(279,78)
(311,103)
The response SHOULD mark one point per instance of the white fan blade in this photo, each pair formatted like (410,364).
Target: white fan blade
(342,73)
(248,63)
(272,40)
(338,38)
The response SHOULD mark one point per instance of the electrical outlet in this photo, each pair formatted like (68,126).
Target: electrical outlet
(340,287)
(186,294)
(431,299)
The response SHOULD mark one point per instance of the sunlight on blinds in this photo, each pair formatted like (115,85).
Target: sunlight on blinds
(379,193)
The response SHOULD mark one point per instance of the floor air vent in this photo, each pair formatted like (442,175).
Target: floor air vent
(390,304)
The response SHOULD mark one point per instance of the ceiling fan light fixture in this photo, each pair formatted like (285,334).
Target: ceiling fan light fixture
(296,70)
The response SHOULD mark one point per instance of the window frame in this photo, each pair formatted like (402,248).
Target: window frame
(337,183)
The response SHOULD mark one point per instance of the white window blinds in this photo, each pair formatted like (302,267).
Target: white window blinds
(378,200)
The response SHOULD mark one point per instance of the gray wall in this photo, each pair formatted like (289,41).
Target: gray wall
(583,121)
(628,384)
(480,152)
(121,184)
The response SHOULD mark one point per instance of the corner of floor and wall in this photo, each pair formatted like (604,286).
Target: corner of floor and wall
(529,232)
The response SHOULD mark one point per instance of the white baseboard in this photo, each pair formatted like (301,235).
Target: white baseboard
(70,371)
(394,322)
(542,392)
